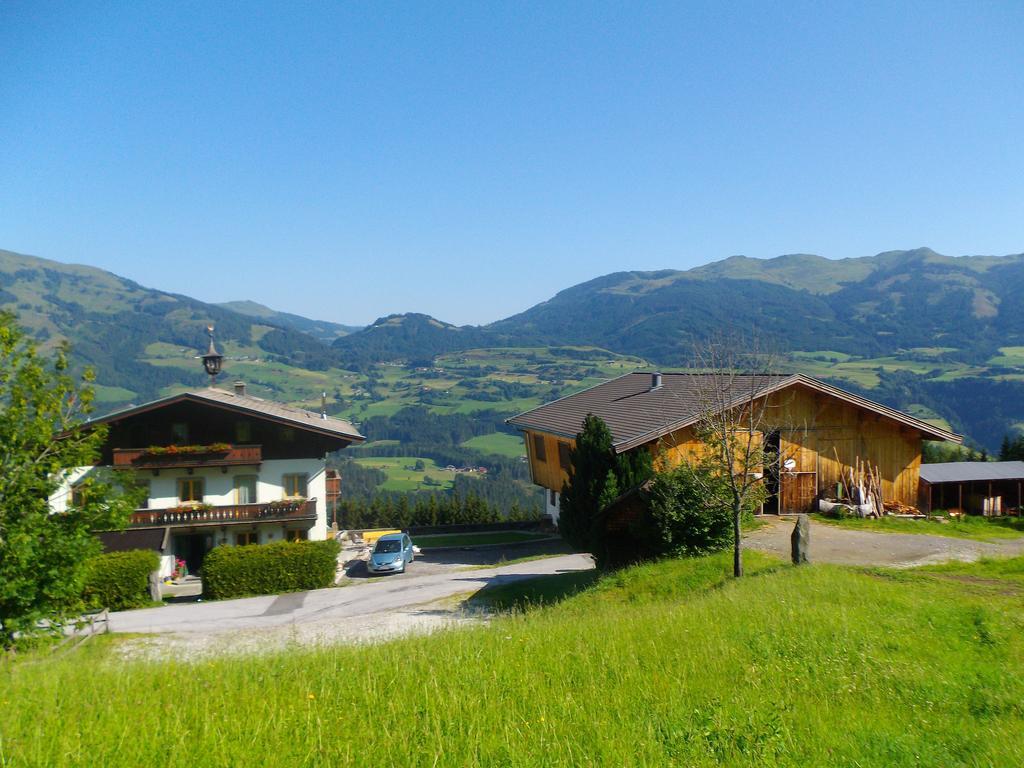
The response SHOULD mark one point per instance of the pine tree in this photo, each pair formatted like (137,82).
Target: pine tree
(597,477)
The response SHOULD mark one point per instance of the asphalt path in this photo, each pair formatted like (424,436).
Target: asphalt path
(381,595)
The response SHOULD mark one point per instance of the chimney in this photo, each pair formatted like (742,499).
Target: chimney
(240,388)
(323,405)
(655,381)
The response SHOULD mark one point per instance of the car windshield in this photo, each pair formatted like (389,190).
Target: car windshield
(383,547)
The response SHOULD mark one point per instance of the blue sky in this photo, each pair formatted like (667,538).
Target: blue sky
(468,160)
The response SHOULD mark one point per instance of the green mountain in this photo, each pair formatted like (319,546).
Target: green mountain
(321,330)
(867,307)
(939,336)
(413,338)
(142,342)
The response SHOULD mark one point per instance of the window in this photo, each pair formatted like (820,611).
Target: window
(294,486)
(244,539)
(554,498)
(190,489)
(295,535)
(538,448)
(144,485)
(564,458)
(245,489)
(78,495)
(243,431)
(179,433)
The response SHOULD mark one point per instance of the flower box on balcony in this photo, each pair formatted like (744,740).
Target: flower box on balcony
(187,450)
(213,455)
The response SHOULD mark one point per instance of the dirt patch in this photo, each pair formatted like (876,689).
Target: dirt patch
(843,546)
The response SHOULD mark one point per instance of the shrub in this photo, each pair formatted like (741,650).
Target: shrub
(266,569)
(688,514)
(119,580)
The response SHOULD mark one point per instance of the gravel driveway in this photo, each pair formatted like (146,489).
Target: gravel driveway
(832,544)
(367,610)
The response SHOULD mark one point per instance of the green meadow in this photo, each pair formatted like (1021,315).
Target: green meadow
(403,475)
(500,443)
(671,664)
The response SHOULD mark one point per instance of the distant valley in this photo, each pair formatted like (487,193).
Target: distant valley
(939,336)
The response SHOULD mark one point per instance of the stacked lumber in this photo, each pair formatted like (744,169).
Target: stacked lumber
(897,508)
(862,485)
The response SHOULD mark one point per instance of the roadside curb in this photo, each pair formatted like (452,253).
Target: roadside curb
(485,547)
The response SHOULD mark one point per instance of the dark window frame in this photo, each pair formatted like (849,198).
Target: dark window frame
(564,456)
(539,451)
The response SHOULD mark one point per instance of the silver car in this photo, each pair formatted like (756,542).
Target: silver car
(391,554)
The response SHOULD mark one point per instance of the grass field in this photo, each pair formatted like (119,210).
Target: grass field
(672,664)
(501,443)
(403,476)
(969,527)
(476,539)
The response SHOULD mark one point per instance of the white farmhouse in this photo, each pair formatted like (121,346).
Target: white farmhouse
(221,467)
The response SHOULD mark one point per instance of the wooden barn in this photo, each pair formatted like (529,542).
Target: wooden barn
(819,429)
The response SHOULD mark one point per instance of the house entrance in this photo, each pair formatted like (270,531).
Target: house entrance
(192,548)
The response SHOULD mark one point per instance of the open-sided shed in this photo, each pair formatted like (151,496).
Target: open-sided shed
(972,487)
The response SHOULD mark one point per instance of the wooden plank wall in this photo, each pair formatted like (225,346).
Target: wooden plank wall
(548,473)
(814,429)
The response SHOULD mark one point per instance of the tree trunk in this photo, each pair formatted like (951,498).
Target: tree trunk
(737,552)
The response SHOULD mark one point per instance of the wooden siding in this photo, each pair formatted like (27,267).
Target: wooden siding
(547,473)
(814,430)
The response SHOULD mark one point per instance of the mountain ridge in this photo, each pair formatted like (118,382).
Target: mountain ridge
(916,329)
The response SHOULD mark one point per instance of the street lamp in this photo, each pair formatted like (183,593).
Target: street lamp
(212,359)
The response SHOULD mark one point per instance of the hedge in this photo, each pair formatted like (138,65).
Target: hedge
(119,580)
(267,569)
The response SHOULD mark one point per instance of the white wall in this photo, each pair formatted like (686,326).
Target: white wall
(219,489)
(61,498)
(552,509)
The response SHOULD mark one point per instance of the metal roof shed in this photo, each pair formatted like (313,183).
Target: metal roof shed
(979,487)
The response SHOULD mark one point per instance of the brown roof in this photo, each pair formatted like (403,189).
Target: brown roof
(255,406)
(636,413)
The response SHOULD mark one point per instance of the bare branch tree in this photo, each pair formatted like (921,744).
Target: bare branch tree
(732,377)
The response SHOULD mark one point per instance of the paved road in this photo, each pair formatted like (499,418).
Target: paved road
(339,605)
(832,544)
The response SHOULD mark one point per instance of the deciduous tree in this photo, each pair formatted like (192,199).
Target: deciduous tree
(42,555)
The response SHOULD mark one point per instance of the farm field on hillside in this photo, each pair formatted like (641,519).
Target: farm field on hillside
(500,443)
(403,475)
(672,663)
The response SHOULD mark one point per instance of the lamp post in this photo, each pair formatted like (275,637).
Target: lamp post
(212,360)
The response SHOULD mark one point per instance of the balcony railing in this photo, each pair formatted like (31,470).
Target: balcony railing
(226,515)
(234,455)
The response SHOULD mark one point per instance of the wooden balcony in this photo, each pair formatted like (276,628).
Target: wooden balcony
(233,456)
(230,514)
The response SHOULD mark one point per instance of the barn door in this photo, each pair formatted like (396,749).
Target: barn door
(798,490)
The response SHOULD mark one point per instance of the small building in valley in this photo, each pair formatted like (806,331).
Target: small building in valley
(818,429)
